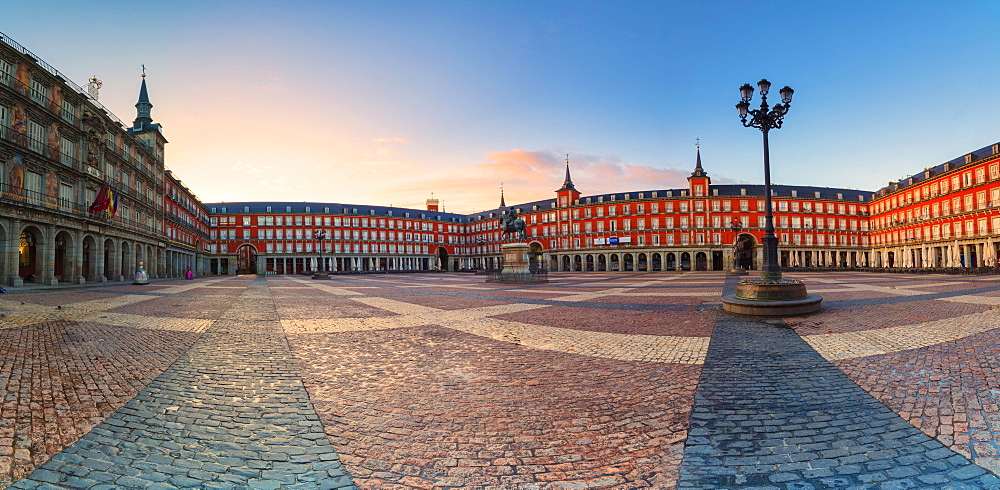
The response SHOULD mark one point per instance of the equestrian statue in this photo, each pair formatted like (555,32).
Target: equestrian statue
(513,226)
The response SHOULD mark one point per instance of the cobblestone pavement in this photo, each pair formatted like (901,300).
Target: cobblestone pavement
(596,380)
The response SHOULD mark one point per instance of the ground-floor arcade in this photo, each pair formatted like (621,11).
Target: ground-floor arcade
(65,252)
(247,261)
(977,252)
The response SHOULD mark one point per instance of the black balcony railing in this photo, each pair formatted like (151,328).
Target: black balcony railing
(20,196)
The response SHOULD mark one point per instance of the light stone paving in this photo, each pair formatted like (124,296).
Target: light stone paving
(848,345)
(478,321)
(326,288)
(96,311)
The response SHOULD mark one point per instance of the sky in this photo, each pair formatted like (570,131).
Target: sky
(391,102)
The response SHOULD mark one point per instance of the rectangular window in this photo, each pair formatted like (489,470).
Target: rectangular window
(5,113)
(38,92)
(36,137)
(6,73)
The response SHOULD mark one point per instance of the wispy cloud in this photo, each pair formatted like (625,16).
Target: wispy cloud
(532,175)
(390,139)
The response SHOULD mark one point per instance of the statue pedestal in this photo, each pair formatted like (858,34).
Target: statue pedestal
(516,265)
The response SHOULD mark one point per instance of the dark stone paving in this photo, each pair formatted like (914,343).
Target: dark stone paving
(230,413)
(771,413)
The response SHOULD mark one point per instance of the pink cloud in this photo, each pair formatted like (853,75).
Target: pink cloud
(529,176)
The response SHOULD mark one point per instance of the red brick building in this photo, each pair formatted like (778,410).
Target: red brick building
(61,150)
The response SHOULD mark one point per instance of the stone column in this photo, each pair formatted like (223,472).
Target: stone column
(47,260)
(98,272)
(11,250)
(77,259)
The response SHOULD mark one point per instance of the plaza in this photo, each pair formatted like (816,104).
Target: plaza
(440,380)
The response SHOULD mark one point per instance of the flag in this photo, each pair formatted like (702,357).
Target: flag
(102,201)
(106,201)
(113,205)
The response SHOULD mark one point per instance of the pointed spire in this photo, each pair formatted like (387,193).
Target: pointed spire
(568,183)
(143,107)
(502,203)
(698,171)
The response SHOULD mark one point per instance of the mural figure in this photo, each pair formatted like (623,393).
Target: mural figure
(55,99)
(16,177)
(19,125)
(51,187)
(22,78)
(52,140)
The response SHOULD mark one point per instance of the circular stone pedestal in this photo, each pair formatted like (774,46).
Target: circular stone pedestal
(516,267)
(771,298)
(736,271)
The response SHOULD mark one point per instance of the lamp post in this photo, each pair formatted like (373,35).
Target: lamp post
(765,119)
(320,269)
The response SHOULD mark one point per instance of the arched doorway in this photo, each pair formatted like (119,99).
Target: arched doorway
(643,264)
(602,263)
(701,261)
(565,263)
(246,259)
(656,262)
(27,263)
(590,263)
(743,251)
(534,256)
(442,256)
(685,261)
(614,263)
(629,262)
(577,263)
(891,258)
(671,261)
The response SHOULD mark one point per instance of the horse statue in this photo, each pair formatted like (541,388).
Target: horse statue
(513,227)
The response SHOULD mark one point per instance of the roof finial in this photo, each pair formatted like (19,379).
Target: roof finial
(698,171)
(144,71)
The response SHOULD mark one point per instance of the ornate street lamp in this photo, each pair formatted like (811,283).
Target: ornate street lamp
(320,272)
(770,295)
(765,119)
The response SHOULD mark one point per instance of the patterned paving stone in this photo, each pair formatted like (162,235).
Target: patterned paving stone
(950,391)
(446,302)
(231,411)
(432,406)
(443,380)
(61,378)
(859,317)
(678,323)
(796,421)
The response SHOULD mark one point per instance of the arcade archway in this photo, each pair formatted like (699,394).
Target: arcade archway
(246,259)
(743,253)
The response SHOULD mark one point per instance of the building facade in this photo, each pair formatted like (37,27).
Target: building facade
(85,197)
(80,191)
(945,216)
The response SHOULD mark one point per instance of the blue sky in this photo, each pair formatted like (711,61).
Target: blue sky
(386,102)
